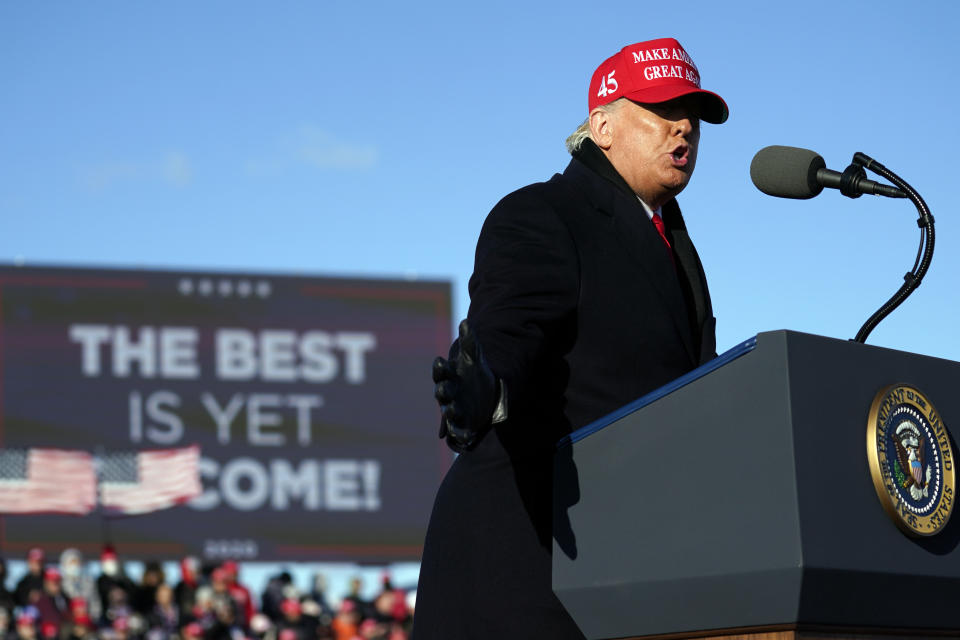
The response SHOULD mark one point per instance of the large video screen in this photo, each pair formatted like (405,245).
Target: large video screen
(310,399)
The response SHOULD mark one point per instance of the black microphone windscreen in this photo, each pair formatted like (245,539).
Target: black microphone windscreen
(787,172)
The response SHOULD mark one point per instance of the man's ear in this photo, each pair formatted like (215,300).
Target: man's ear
(601,127)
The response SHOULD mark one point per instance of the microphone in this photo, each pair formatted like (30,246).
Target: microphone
(791,172)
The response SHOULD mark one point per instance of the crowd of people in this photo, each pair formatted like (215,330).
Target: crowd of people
(63,601)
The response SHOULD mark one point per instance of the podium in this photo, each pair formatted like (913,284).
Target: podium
(738,502)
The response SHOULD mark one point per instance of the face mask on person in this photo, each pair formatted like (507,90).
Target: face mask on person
(71,569)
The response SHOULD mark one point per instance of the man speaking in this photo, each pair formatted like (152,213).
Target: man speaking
(586,294)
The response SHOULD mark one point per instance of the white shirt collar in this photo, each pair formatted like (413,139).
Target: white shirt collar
(649,211)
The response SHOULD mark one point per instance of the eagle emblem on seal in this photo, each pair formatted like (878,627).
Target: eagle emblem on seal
(910,468)
(911,461)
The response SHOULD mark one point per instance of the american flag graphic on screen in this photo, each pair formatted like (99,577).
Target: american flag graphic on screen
(47,481)
(132,482)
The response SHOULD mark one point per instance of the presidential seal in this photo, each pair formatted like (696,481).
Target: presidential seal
(911,460)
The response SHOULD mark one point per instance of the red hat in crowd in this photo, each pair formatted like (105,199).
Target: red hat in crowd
(78,604)
(26,617)
(109,553)
(287,634)
(82,620)
(188,570)
(290,607)
(651,72)
(232,569)
(49,630)
(51,573)
(189,563)
(218,575)
(36,553)
(399,610)
(193,630)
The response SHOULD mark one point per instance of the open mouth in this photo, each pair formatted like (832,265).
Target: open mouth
(680,156)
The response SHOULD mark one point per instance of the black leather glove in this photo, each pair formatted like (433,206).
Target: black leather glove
(466,390)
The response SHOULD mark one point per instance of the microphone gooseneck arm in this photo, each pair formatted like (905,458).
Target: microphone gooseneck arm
(927,236)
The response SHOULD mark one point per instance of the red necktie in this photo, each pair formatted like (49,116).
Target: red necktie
(658,223)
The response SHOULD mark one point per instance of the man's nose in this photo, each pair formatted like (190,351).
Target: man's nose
(682,126)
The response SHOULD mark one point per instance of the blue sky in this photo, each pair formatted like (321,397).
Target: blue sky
(369,138)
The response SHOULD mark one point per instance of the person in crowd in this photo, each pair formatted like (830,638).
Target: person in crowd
(122,629)
(319,617)
(221,595)
(82,628)
(112,576)
(203,608)
(77,583)
(53,606)
(164,619)
(319,595)
(26,625)
(186,589)
(362,606)
(144,594)
(6,633)
(346,624)
(274,594)
(77,611)
(79,608)
(116,606)
(7,600)
(30,586)
(227,624)
(304,626)
(240,594)
(383,606)
(389,607)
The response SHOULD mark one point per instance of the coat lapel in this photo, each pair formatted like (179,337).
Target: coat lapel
(640,241)
(688,261)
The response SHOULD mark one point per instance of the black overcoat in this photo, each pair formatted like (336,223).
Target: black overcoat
(580,308)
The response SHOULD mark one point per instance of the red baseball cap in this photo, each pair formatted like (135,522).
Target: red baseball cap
(651,72)
(36,553)
(290,606)
(51,573)
(26,617)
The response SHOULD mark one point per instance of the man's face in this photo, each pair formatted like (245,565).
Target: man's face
(654,147)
